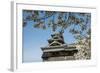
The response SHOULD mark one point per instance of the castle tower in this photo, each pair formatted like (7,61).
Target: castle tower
(58,50)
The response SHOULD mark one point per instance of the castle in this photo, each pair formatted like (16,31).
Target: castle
(58,50)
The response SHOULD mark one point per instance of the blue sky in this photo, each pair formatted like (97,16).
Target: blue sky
(34,39)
